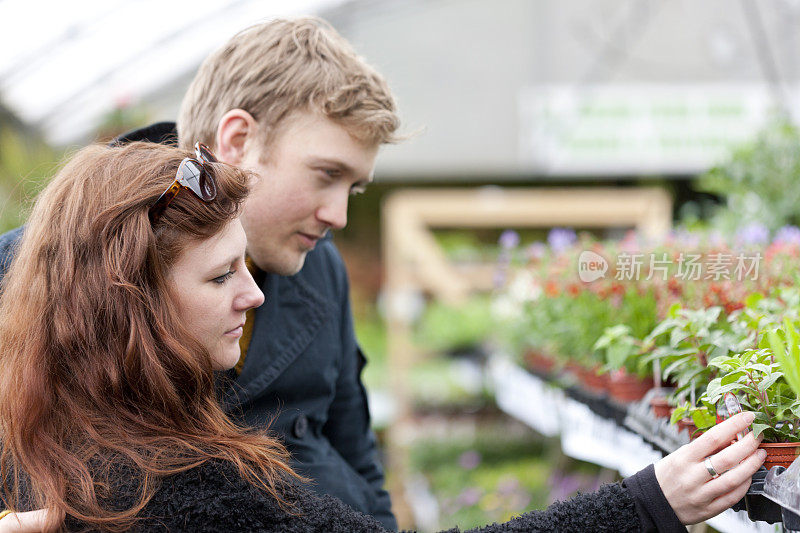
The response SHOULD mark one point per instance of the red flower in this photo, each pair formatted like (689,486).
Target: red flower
(551,288)
(573,289)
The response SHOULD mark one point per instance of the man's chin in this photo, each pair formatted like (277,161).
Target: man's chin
(290,265)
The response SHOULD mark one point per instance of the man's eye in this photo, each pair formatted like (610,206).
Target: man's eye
(223,278)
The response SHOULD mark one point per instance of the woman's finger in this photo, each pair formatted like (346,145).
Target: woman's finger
(737,476)
(734,454)
(719,436)
(728,499)
(25,522)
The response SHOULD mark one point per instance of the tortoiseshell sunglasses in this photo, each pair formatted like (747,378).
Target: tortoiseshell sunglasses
(191,175)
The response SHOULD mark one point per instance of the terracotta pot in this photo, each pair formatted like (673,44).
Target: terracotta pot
(591,379)
(627,388)
(688,425)
(539,362)
(660,406)
(780,453)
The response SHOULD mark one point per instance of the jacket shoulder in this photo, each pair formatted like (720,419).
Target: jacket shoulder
(159,132)
(8,248)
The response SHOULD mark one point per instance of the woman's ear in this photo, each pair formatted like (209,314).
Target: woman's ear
(232,132)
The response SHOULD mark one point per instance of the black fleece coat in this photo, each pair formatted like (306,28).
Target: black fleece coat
(214,498)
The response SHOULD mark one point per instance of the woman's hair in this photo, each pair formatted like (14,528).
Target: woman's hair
(96,368)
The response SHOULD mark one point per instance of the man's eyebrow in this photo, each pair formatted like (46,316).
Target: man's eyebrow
(340,165)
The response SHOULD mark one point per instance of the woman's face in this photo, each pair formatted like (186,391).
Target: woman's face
(214,290)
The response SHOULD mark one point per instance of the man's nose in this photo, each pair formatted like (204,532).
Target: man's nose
(333,213)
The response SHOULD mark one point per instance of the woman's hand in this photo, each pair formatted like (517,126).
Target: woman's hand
(27,522)
(689,486)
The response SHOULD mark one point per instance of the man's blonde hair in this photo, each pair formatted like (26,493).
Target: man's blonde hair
(274,69)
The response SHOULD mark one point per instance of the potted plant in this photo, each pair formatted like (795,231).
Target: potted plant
(759,381)
(630,374)
(694,418)
(683,344)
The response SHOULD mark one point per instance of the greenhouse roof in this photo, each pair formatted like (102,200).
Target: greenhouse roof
(70,63)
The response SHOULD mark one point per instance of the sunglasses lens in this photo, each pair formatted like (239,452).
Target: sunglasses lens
(208,188)
(197,179)
(204,153)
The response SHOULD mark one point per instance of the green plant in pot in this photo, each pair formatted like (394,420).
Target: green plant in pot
(759,381)
(567,325)
(683,344)
(785,345)
(630,373)
(695,418)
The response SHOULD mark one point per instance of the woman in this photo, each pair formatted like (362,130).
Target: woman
(128,290)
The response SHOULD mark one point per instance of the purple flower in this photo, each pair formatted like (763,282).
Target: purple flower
(499,278)
(508,485)
(716,238)
(469,460)
(560,239)
(469,496)
(509,239)
(753,234)
(536,250)
(687,239)
(788,235)
(562,486)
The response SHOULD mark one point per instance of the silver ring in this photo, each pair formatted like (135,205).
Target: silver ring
(710,467)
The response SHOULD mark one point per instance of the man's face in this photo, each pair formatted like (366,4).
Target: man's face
(311,169)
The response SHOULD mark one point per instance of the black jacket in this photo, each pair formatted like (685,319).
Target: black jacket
(302,375)
(214,498)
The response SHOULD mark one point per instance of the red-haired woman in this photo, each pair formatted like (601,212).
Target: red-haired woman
(128,290)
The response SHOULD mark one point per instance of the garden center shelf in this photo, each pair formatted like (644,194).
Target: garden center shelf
(596,429)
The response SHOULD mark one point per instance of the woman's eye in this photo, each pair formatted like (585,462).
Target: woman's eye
(223,278)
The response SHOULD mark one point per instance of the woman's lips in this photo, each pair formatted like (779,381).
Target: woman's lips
(235,332)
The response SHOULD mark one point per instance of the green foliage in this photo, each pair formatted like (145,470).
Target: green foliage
(445,327)
(371,335)
(571,325)
(687,339)
(785,345)
(26,165)
(758,381)
(512,475)
(759,182)
(622,350)
(703,414)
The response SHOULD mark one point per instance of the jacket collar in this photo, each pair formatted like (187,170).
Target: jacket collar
(285,325)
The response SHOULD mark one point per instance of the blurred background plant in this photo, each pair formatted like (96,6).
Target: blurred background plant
(758,183)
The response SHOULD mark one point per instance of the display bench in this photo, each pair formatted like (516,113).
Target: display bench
(622,439)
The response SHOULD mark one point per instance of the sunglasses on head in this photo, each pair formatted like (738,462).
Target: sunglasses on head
(193,175)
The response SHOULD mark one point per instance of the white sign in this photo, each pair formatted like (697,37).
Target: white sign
(639,128)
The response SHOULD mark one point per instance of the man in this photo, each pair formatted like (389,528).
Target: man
(291,101)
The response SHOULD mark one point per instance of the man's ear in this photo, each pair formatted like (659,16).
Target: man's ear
(233,131)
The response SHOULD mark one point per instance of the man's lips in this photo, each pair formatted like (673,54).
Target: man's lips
(309,239)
